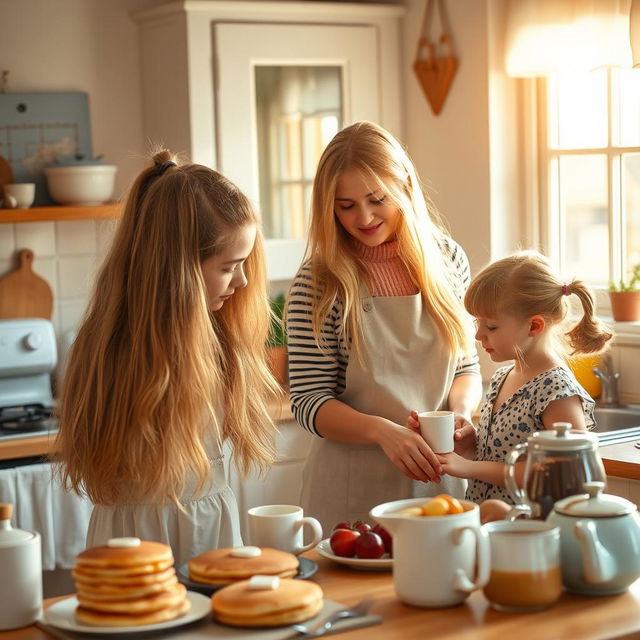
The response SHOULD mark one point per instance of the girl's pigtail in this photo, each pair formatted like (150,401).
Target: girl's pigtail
(589,335)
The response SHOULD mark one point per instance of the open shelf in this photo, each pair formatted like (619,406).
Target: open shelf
(42,214)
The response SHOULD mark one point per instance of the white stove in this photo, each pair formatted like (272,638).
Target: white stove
(28,355)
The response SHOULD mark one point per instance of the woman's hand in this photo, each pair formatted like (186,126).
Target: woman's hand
(464,436)
(409,452)
(455,465)
(413,422)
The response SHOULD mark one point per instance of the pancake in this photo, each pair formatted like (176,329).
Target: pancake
(116,592)
(128,582)
(98,576)
(154,555)
(99,619)
(220,567)
(173,597)
(293,601)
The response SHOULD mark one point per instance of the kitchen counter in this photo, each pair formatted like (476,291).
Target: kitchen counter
(621,460)
(587,618)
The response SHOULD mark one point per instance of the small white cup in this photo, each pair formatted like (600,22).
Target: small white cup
(436,428)
(23,193)
(280,526)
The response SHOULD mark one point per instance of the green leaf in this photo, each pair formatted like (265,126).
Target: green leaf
(277,333)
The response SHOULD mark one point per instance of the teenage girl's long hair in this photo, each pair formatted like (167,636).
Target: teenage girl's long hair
(523,285)
(336,271)
(151,364)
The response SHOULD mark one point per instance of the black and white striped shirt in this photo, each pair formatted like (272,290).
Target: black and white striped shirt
(316,375)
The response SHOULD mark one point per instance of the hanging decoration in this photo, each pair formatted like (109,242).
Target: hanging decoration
(435,72)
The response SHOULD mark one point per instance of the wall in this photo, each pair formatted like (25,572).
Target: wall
(75,45)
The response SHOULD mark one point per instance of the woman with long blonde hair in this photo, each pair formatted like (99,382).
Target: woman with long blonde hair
(376,329)
(169,362)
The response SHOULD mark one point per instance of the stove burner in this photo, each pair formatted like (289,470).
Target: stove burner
(27,417)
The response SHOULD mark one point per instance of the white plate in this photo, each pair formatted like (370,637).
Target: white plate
(324,549)
(62,615)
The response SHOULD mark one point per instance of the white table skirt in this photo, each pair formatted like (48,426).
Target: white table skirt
(40,504)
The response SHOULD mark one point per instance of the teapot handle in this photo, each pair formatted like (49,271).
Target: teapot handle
(510,474)
(483,562)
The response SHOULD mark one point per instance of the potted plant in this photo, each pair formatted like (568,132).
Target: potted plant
(625,298)
(277,344)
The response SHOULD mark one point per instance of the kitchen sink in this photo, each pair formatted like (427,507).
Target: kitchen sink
(617,424)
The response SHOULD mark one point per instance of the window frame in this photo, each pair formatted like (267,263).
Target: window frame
(544,213)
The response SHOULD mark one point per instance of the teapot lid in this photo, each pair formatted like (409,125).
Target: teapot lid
(595,504)
(10,537)
(561,438)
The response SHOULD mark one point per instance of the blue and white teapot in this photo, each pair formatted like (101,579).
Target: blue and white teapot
(599,541)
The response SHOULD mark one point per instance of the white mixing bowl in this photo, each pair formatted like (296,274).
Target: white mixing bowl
(81,185)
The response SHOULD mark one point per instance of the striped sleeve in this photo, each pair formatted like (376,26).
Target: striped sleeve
(468,364)
(315,375)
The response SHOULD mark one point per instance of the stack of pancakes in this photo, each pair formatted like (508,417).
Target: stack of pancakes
(128,582)
(290,602)
(221,567)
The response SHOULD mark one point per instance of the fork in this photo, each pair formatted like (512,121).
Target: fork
(319,629)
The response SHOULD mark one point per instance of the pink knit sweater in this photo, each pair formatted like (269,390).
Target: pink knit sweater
(389,277)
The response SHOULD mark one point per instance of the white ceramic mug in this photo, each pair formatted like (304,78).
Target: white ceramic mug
(525,565)
(436,428)
(23,193)
(437,560)
(281,526)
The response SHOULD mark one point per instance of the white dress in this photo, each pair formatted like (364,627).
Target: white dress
(210,520)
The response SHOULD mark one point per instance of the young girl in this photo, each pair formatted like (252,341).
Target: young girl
(519,305)
(376,328)
(158,376)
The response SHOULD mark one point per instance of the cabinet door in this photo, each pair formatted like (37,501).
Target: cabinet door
(326,77)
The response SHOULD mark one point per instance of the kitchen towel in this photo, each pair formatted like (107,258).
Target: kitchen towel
(41,504)
(206,629)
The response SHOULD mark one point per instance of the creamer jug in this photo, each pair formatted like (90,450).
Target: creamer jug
(21,567)
(437,560)
(559,462)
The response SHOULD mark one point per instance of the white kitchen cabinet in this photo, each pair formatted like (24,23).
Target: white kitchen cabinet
(256,89)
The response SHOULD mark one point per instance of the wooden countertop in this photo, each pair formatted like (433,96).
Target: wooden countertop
(42,444)
(587,618)
(621,460)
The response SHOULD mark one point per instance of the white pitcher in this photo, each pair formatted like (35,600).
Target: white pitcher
(434,556)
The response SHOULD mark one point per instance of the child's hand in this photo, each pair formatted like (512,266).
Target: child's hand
(464,436)
(455,465)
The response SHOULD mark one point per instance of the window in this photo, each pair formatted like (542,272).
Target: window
(589,134)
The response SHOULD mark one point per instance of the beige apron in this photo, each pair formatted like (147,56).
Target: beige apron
(410,368)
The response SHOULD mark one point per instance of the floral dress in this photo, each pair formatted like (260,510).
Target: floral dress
(517,418)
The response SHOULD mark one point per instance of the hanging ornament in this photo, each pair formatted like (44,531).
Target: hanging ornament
(435,72)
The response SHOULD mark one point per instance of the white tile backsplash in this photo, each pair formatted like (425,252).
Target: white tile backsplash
(75,276)
(66,256)
(7,242)
(75,236)
(40,237)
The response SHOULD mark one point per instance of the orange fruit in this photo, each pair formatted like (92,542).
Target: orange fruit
(454,504)
(435,507)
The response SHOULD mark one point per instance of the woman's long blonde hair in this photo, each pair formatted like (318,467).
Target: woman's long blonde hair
(523,285)
(337,272)
(150,362)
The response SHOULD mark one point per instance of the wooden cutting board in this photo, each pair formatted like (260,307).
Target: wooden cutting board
(23,294)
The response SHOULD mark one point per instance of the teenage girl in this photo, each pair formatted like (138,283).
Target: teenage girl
(158,375)
(520,306)
(376,328)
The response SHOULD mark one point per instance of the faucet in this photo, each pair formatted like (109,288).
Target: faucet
(609,379)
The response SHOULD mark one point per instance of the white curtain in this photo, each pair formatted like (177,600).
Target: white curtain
(546,36)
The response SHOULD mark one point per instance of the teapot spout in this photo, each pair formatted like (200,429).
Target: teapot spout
(598,564)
